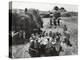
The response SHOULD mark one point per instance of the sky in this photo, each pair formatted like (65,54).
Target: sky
(42,6)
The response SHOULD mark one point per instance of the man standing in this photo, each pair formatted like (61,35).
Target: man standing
(56,16)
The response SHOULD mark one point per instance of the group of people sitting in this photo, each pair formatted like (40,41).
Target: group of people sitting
(47,44)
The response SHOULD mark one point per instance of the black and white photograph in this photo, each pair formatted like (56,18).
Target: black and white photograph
(42,29)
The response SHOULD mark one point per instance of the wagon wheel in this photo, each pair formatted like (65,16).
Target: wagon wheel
(34,52)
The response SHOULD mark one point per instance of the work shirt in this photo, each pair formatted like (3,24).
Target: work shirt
(44,41)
